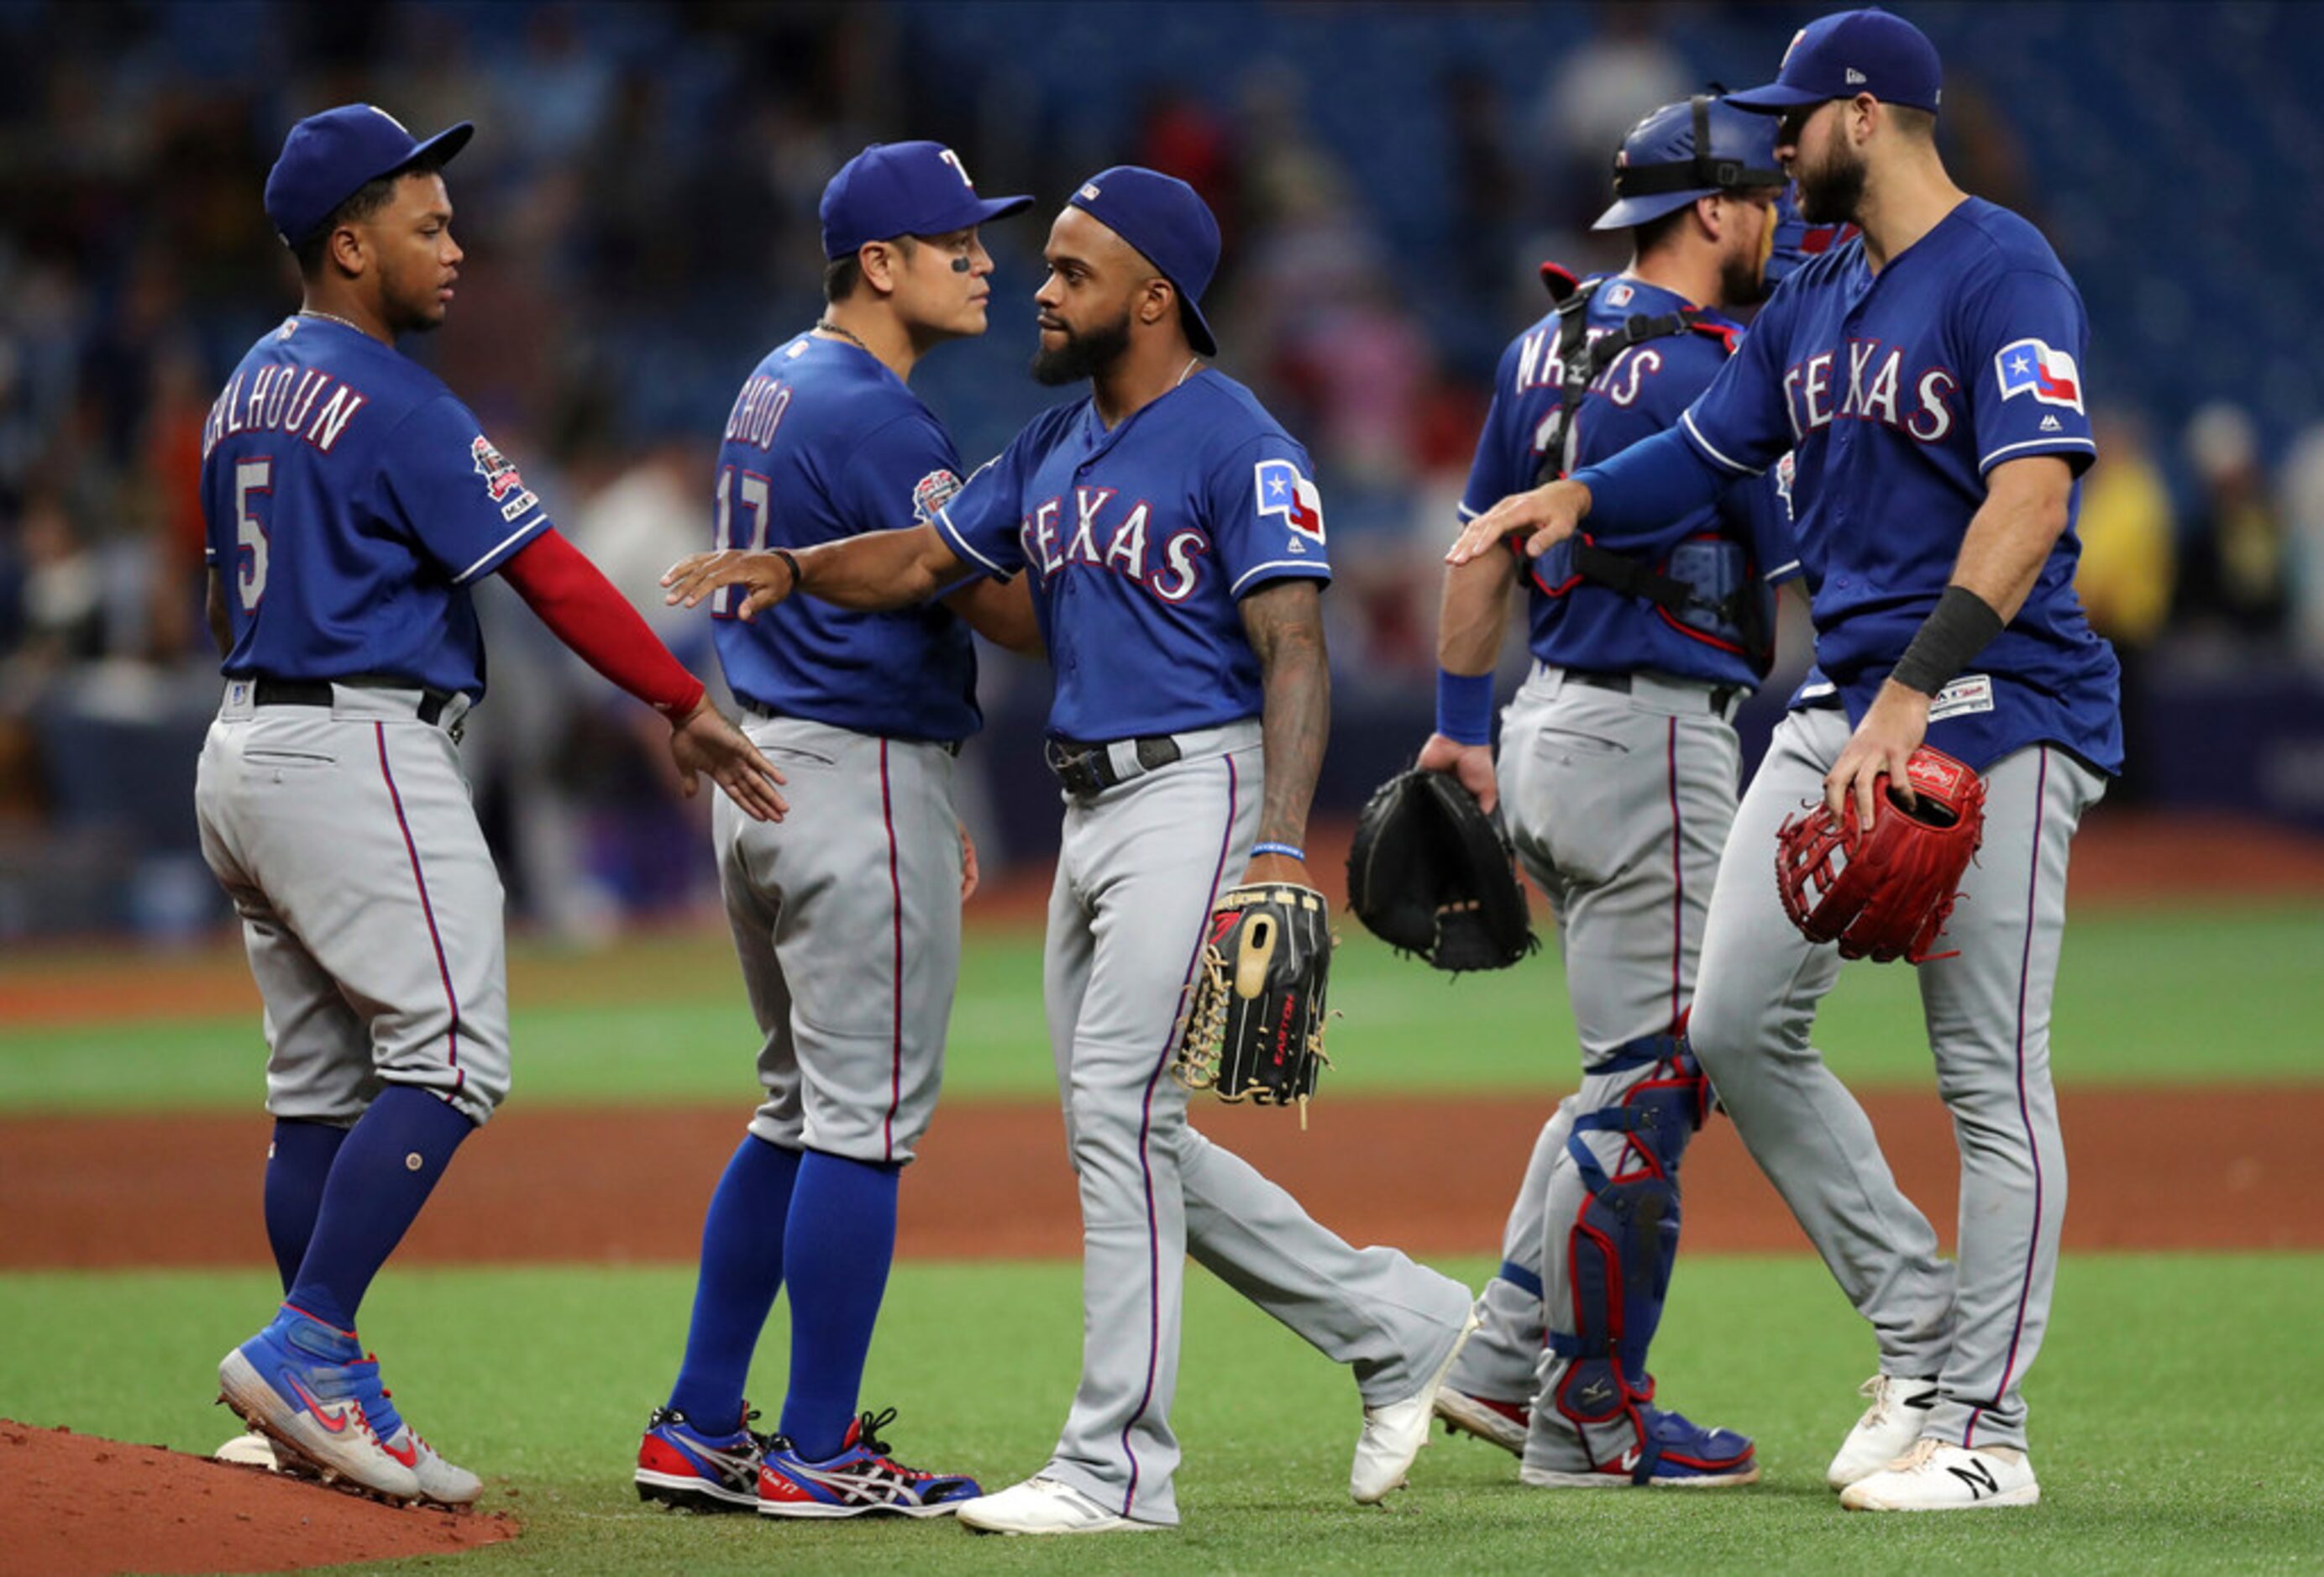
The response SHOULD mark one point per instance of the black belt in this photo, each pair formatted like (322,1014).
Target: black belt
(270,692)
(1717,699)
(1086,768)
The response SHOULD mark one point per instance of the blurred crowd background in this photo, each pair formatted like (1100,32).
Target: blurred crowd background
(639,212)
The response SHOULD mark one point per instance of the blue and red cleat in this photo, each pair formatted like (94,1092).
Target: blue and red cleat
(862,1478)
(307,1387)
(1674,1453)
(681,1466)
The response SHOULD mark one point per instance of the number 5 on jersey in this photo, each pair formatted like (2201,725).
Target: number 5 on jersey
(756,496)
(252,478)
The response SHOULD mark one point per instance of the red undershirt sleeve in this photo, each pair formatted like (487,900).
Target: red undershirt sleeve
(583,610)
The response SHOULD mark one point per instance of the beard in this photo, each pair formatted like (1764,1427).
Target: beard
(1830,193)
(1083,355)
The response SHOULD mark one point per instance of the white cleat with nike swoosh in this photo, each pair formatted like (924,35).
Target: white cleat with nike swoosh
(300,1383)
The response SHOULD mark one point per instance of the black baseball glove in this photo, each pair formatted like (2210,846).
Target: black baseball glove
(1251,1022)
(1431,873)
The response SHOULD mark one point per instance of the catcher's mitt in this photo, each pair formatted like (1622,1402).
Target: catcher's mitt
(1884,892)
(1431,873)
(1250,1025)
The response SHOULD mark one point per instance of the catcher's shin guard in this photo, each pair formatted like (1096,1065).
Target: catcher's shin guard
(1620,1249)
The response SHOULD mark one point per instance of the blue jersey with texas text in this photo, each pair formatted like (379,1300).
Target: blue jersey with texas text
(824,442)
(1142,538)
(349,502)
(1898,393)
(1579,624)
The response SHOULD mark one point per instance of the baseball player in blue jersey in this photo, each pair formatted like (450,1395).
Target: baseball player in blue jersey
(1617,782)
(1927,377)
(847,920)
(1176,541)
(351,502)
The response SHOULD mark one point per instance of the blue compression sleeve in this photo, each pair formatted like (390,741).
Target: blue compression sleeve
(835,1257)
(383,1173)
(1646,487)
(741,1270)
(298,1164)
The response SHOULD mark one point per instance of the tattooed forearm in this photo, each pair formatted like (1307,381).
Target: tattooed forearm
(1285,622)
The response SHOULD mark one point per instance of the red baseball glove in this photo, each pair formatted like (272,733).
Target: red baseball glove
(1884,892)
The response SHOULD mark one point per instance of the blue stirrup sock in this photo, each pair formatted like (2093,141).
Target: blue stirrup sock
(298,1164)
(741,1270)
(840,1242)
(384,1170)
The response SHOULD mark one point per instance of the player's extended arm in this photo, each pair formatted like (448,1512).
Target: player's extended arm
(214,607)
(1643,489)
(1001,610)
(1472,617)
(1285,621)
(873,573)
(2010,537)
(583,610)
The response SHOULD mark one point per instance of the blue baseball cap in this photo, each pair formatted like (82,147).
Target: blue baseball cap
(328,158)
(1168,221)
(1851,52)
(1696,148)
(903,188)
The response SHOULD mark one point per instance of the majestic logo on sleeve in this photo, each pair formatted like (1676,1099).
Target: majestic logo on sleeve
(501,479)
(931,492)
(2029,367)
(1282,490)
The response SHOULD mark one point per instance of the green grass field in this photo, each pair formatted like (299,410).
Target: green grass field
(2174,1418)
(2175,1425)
(2143,998)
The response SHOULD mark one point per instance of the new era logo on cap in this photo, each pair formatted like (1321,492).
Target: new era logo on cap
(1090,192)
(1850,52)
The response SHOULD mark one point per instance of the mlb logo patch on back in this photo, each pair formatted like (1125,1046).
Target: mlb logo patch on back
(2029,367)
(1282,490)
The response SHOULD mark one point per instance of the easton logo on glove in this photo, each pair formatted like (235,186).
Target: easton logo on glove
(1250,1023)
(1429,872)
(1886,891)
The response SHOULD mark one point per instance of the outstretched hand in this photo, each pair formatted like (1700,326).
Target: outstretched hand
(1550,514)
(703,741)
(697,575)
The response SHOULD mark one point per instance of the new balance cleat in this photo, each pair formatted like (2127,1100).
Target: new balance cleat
(1887,1431)
(1676,1454)
(1934,1475)
(681,1466)
(305,1386)
(1041,1505)
(862,1480)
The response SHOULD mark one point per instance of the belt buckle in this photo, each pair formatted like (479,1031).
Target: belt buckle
(1076,769)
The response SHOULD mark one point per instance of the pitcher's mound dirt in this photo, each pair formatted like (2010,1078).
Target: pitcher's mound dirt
(76,1504)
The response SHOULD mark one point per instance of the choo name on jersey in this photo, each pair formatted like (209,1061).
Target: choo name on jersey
(1086,530)
(1871,386)
(309,404)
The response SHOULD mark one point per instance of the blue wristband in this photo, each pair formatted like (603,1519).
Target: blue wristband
(1286,850)
(1464,707)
